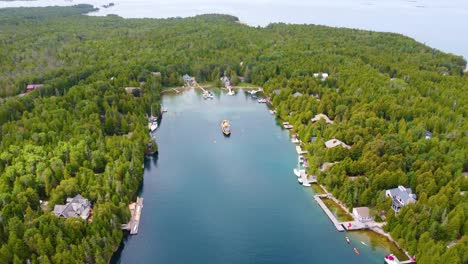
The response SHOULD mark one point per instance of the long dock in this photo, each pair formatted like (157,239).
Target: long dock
(135,210)
(318,199)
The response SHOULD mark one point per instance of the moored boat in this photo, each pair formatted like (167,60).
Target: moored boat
(226,127)
(153,126)
(356,251)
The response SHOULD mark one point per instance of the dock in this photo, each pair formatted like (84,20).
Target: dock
(135,210)
(318,199)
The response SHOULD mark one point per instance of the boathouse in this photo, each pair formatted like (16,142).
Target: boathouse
(362,214)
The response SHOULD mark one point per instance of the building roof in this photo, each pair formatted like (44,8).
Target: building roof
(336,142)
(34,86)
(321,116)
(77,206)
(312,139)
(404,195)
(297,94)
(363,212)
(277,91)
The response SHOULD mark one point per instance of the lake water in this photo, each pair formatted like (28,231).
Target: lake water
(438,23)
(212,199)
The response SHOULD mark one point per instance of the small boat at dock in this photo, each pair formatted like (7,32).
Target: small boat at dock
(154,126)
(226,128)
(262,100)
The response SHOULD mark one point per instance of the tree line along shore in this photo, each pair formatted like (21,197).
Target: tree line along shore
(82,133)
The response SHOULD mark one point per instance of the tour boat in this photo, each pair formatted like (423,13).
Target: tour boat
(347,240)
(356,251)
(391,259)
(226,127)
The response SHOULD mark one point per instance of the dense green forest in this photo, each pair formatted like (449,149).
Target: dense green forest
(82,133)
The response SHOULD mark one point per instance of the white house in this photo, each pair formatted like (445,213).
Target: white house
(336,142)
(323,76)
(401,196)
(321,116)
(362,214)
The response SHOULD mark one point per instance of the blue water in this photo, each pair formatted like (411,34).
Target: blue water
(212,199)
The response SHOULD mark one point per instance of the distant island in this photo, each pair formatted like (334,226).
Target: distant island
(375,111)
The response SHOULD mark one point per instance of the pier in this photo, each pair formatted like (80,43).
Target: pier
(318,199)
(135,210)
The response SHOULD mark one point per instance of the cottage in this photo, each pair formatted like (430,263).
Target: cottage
(297,94)
(312,139)
(77,206)
(277,91)
(321,116)
(33,87)
(401,196)
(133,90)
(362,214)
(322,76)
(188,79)
(336,142)
(428,135)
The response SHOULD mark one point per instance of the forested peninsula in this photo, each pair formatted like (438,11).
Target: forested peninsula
(82,133)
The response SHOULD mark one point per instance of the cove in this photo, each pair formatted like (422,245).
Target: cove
(215,199)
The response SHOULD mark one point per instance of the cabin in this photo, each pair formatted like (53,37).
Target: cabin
(336,142)
(428,135)
(322,76)
(77,206)
(33,87)
(135,91)
(312,139)
(401,196)
(277,91)
(297,94)
(362,214)
(187,79)
(321,116)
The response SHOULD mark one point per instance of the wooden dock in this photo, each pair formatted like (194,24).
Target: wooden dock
(318,199)
(135,210)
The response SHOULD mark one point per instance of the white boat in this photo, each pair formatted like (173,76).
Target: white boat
(154,126)
(207,95)
(306,184)
(300,159)
(262,100)
(231,93)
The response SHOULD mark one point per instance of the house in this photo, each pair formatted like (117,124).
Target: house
(323,76)
(33,87)
(156,73)
(77,206)
(362,214)
(297,94)
(428,135)
(401,196)
(277,91)
(133,90)
(336,142)
(321,116)
(312,139)
(188,79)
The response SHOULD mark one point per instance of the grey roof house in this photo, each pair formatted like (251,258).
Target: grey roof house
(401,196)
(77,206)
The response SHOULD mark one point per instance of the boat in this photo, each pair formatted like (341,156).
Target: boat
(300,159)
(154,126)
(347,240)
(231,93)
(391,259)
(356,251)
(226,127)
(297,172)
(262,100)
(207,95)
(362,242)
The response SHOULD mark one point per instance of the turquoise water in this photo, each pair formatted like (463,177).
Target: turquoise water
(212,199)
